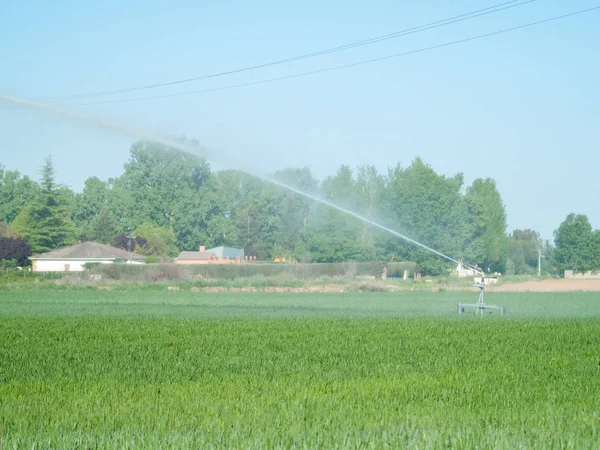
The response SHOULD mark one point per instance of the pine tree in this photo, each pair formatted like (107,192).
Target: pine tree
(45,223)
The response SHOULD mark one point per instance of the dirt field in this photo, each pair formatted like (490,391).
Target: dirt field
(553,285)
(561,285)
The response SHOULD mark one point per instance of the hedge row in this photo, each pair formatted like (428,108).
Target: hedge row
(156,272)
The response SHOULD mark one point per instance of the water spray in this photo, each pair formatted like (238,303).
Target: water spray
(199,151)
(202,152)
(100,123)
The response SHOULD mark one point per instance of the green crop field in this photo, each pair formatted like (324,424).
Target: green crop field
(159,369)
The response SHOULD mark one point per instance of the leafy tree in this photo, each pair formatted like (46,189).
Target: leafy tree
(332,237)
(164,193)
(15,249)
(353,243)
(369,188)
(8,265)
(295,210)
(246,212)
(15,192)
(294,216)
(133,243)
(45,222)
(301,179)
(596,251)
(166,188)
(95,196)
(281,253)
(487,244)
(577,246)
(6,231)
(523,248)
(428,208)
(104,228)
(329,235)
(160,241)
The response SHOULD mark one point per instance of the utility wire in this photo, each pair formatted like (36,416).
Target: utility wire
(359,63)
(428,26)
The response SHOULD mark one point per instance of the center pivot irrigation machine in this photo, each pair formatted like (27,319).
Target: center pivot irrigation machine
(480,306)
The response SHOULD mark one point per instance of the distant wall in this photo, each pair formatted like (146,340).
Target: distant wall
(73,265)
(582,276)
(233,271)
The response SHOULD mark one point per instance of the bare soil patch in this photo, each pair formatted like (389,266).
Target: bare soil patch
(562,285)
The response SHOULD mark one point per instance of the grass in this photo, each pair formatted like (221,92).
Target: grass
(158,302)
(159,369)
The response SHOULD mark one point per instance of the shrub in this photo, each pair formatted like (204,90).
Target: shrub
(153,272)
(164,272)
(15,248)
(90,266)
(371,287)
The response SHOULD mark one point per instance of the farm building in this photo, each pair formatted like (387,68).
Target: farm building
(199,257)
(73,258)
(227,252)
(218,255)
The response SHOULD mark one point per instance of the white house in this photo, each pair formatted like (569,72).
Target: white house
(72,259)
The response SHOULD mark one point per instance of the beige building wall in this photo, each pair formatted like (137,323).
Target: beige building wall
(569,274)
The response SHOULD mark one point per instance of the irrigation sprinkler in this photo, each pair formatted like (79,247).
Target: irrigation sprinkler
(194,149)
(480,306)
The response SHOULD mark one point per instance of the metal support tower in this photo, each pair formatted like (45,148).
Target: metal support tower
(480,306)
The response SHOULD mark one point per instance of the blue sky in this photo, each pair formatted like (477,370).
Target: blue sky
(521,108)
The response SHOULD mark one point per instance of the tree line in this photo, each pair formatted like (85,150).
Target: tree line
(169,201)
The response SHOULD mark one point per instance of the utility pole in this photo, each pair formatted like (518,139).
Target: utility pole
(540,262)
(129,244)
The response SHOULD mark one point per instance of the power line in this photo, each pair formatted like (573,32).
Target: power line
(345,66)
(418,29)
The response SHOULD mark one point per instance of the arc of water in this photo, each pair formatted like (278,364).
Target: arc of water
(359,217)
(142,134)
